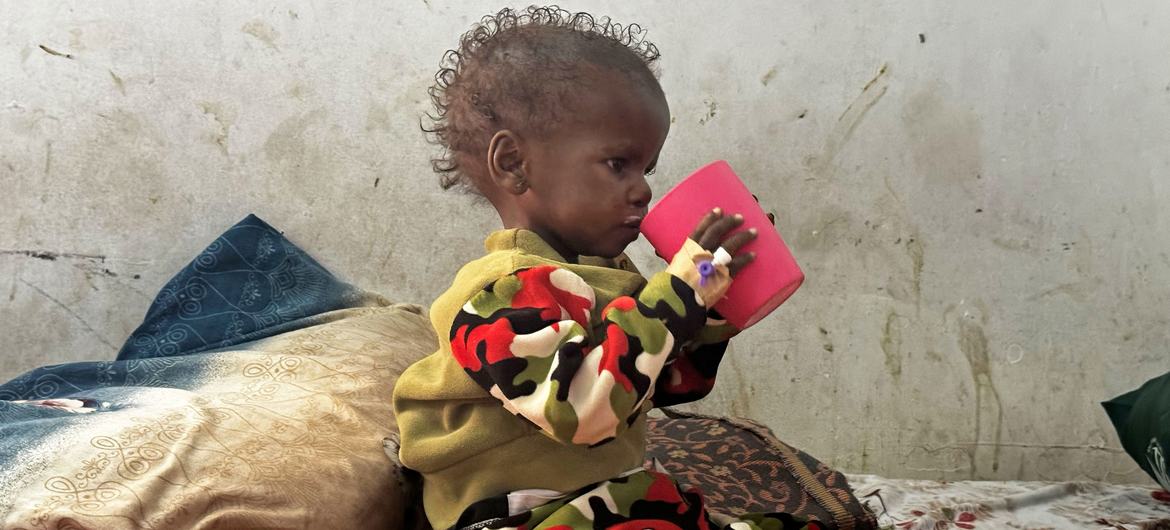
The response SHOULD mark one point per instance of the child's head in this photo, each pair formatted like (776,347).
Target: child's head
(555,118)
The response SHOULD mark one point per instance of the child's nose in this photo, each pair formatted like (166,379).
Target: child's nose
(641,193)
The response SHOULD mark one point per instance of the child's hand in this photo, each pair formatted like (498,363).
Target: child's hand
(710,258)
(711,233)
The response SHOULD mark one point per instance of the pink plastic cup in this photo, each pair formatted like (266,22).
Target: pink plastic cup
(760,287)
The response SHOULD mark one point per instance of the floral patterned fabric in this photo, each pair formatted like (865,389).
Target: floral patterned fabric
(903,504)
(740,467)
(250,283)
(285,432)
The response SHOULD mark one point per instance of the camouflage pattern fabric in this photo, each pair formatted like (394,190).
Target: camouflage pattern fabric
(535,341)
(639,501)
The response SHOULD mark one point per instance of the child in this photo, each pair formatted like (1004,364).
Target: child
(532,414)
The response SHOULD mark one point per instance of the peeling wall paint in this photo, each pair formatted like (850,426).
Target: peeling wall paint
(980,214)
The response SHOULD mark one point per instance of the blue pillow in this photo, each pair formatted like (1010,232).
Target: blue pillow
(250,283)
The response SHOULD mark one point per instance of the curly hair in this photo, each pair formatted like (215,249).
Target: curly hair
(514,70)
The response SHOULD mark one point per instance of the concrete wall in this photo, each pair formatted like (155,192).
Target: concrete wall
(975,191)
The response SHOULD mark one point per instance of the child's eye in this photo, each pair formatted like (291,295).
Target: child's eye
(651,171)
(616,164)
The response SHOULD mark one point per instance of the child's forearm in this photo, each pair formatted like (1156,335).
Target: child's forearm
(674,303)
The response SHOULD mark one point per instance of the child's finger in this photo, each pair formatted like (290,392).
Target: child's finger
(739,262)
(714,234)
(705,223)
(738,240)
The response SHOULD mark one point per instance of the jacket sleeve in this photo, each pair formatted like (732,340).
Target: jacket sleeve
(531,341)
(690,374)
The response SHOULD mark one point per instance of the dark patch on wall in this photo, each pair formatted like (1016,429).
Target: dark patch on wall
(49,255)
(975,347)
(847,123)
(712,110)
(768,76)
(118,82)
(51,51)
(892,345)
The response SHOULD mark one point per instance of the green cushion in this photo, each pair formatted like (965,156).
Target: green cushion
(1142,419)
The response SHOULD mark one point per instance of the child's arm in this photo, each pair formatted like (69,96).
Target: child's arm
(690,376)
(528,339)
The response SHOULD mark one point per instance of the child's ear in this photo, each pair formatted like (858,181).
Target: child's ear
(506,162)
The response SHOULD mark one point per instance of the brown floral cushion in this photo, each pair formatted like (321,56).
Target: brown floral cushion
(741,467)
